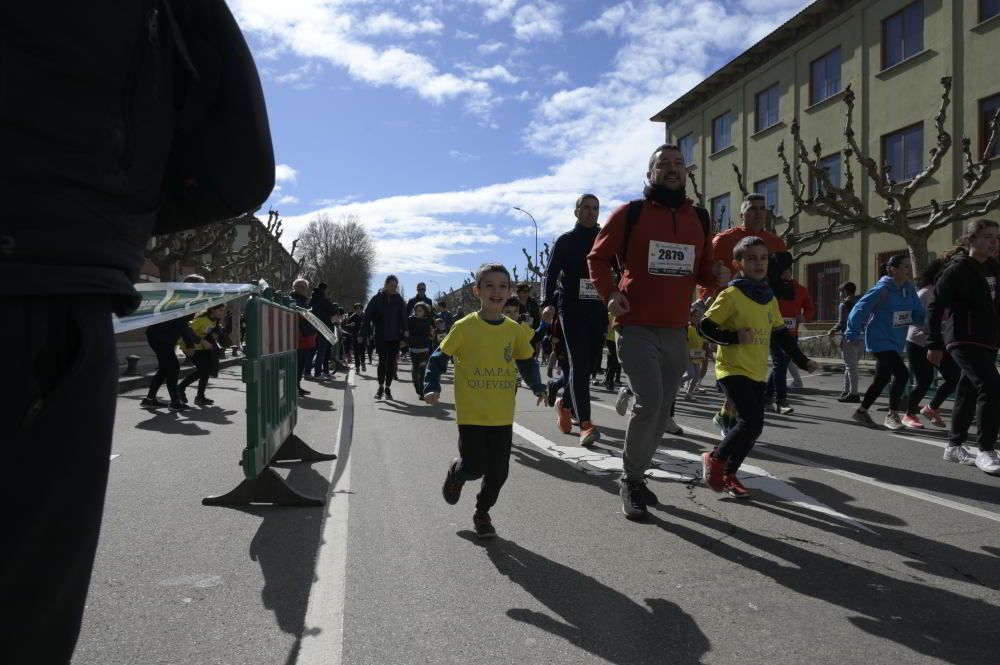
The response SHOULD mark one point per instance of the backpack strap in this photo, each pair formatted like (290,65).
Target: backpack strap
(706,221)
(631,219)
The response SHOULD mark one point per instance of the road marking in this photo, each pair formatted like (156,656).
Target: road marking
(322,639)
(113,457)
(920,439)
(682,465)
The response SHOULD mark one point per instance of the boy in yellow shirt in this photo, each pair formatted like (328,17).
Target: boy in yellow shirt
(742,321)
(697,351)
(489,350)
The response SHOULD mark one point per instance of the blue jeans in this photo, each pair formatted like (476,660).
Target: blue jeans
(777,388)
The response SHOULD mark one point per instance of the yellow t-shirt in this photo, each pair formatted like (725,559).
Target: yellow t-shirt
(485,373)
(732,311)
(526,329)
(611,328)
(201,325)
(696,344)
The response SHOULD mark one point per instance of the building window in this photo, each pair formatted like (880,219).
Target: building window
(823,281)
(824,77)
(767,108)
(988,9)
(720,211)
(903,34)
(722,135)
(769,188)
(686,144)
(831,165)
(987,109)
(903,152)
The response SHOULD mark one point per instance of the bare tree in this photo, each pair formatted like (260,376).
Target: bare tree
(341,254)
(170,253)
(845,211)
(534,270)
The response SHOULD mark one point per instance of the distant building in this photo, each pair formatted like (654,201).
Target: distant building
(893,53)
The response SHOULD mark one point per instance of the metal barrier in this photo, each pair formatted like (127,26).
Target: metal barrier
(270,372)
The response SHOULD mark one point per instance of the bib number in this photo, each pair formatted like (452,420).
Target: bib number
(669,258)
(900,319)
(588,291)
(790,323)
(696,355)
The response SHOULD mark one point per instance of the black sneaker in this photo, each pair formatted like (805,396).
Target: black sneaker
(850,399)
(183,398)
(303,392)
(201,400)
(483,524)
(452,488)
(647,494)
(551,390)
(388,393)
(178,406)
(152,402)
(378,393)
(633,503)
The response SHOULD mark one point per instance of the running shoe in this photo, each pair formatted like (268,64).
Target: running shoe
(152,402)
(862,417)
(633,504)
(782,407)
(711,472)
(913,422)
(673,428)
(379,392)
(723,421)
(452,488)
(769,405)
(178,406)
(987,461)
(795,384)
(388,393)
(960,455)
(551,391)
(933,415)
(563,417)
(622,403)
(483,524)
(892,421)
(201,400)
(732,486)
(303,392)
(646,494)
(588,434)
(852,398)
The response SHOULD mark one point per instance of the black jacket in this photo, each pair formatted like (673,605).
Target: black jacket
(414,300)
(963,291)
(322,307)
(168,332)
(420,332)
(568,265)
(385,317)
(305,328)
(352,324)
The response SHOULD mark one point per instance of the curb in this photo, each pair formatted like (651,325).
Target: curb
(127,383)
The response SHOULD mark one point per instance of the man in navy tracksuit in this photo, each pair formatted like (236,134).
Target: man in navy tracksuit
(582,313)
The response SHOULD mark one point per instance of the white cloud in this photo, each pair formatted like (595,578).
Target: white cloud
(285,173)
(467,36)
(559,78)
(387,23)
(490,47)
(538,21)
(496,10)
(494,73)
(462,156)
(610,20)
(288,199)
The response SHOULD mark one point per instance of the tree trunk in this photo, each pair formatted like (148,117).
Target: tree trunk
(918,253)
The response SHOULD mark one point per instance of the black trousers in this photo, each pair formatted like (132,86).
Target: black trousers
(388,356)
(359,354)
(205,364)
(485,453)
(614,374)
(923,372)
(418,369)
(58,390)
(168,368)
(304,359)
(978,393)
(584,330)
(747,397)
(888,365)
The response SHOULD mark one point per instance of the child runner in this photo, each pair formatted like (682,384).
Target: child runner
(418,330)
(743,320)
(923,370)
(795,304)
(614,374)
(697,351)
(203,354)
(885,314)
(352,326)
(968,289)
(486,346)
(850,350)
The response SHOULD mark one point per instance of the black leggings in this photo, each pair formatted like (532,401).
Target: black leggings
(168,370)
(418,369)
(359,354)
(485,453)
(584,332)
(747,397)
(979,393)
(614,373)
(388,354)
(888,365)
(204,362)
(923,372)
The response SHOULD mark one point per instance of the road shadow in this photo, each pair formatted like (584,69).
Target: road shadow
(315,404)
(214,415)
(593,616)
(420,409)
(168,422)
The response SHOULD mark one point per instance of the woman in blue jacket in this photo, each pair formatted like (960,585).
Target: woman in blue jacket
(884,315)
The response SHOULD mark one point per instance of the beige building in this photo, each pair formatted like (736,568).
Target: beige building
(893,54)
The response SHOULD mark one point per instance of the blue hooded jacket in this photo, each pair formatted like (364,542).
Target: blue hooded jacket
(884,315)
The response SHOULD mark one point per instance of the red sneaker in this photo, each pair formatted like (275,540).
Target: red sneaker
(711,472)
(563,418)
(934,416)
(734,488)
(913,422)
(588,434)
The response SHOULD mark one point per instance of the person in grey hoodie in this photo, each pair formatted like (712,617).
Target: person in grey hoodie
(883,316)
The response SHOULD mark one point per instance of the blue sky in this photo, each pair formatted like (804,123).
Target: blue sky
(429,120)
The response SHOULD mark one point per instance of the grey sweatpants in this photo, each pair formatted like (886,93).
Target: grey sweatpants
(654,360)
(852,352)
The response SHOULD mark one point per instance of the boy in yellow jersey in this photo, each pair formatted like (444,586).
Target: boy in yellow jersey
(697,351)
(489,350)
(742,321)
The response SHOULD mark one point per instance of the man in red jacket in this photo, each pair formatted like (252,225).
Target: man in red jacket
(666,253)
(796,306)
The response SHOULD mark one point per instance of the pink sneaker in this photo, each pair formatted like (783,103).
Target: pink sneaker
(913,422)
(934,416)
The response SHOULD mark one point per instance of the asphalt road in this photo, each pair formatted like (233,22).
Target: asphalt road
(859,546)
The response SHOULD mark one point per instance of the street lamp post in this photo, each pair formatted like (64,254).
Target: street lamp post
(537,258)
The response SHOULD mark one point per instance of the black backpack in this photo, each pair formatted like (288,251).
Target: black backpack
(632,218)
(221,162)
